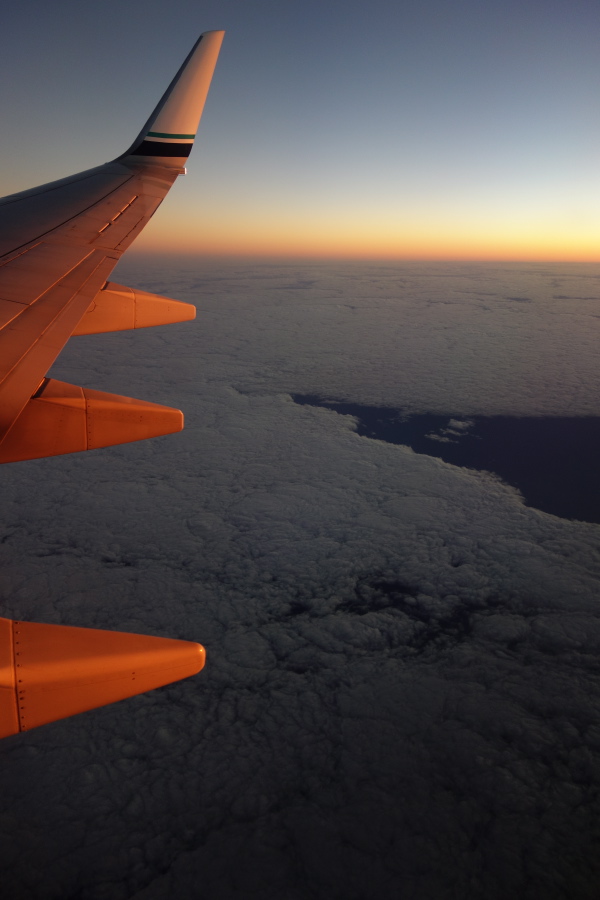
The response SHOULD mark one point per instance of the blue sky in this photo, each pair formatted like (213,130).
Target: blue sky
(449,129)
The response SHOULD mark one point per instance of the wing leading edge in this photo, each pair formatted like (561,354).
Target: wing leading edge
(58,245)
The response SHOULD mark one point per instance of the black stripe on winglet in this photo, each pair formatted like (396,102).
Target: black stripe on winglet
(158,148)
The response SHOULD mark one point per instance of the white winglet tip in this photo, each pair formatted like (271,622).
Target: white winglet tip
(169,133)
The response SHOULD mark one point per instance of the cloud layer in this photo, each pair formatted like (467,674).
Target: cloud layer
(401,689)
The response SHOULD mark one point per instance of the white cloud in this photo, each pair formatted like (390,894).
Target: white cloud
(401,686)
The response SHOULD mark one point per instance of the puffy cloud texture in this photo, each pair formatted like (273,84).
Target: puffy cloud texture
(402,682)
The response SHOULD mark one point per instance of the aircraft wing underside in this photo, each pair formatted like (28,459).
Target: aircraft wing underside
(58,245)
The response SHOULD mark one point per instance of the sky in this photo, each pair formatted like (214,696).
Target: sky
(395,130)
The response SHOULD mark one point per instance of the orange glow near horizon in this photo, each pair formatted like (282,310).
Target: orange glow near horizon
(334,238)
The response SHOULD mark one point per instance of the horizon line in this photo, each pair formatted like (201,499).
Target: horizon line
(314,258)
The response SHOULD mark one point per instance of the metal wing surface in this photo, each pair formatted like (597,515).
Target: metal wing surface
(58,244)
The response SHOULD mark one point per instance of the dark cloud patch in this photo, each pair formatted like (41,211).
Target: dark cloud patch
(552,461)
(567,297)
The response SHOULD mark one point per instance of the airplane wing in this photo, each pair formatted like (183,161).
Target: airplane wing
(58,245)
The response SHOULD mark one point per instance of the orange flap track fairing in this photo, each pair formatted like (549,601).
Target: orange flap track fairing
(49,672)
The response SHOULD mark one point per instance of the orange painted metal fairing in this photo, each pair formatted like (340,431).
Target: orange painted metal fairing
(119,308)
(64,418)
(49,672)
(9,711)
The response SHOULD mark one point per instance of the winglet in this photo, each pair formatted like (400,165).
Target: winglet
(168,135)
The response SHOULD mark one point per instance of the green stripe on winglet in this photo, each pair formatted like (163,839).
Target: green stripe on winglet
(163,134)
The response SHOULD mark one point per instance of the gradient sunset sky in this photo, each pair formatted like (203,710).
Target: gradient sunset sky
(444,129)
